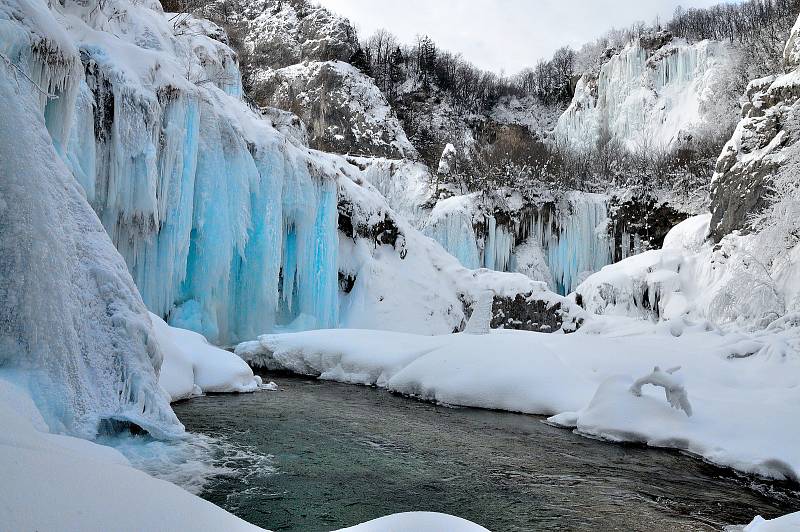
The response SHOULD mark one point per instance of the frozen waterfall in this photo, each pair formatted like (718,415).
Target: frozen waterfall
(571,234)
(225,226)
(73,330)
(646,99)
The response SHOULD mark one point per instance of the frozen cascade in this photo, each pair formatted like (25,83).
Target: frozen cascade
(451,224)
(73,329)
(575,238)
(225,231)
(572,235)
(646,99)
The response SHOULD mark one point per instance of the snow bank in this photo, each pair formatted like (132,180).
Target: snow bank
(192,366)
(744,412)
(41,471)
(787,523)
(725,283)
(416,522)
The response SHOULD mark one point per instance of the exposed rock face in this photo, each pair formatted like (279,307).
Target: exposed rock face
(525,312)
(280,33)
(758,147)
(637,224)
(344,109)
(295,57)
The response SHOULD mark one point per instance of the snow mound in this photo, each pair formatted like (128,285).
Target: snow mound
(192,366)
(415,522)
(787,523)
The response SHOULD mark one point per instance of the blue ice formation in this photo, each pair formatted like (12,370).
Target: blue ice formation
(74,331)
(572,234)
(225,232)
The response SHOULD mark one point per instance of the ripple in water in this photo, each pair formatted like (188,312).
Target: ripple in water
(194,461)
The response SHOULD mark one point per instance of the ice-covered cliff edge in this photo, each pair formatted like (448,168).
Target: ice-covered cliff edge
(763,151)
(649,95)
(226,225)
(73,329)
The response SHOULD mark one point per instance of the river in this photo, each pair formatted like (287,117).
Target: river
(340,455)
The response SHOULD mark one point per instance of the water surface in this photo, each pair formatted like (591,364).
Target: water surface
(347,454)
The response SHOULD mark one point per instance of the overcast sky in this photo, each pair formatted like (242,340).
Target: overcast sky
(503,35)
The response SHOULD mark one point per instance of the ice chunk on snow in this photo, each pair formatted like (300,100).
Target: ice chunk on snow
(481,320)
(674,389)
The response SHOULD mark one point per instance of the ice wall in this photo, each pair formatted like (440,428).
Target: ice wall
(574,238)
(571,234)
(224,223)
(73,328)
(646,99)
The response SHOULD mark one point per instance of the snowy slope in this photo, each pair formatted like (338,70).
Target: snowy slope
(649,98)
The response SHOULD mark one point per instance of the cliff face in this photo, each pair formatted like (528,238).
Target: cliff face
(651,95)
(297,58)
(760,146)
(343,109)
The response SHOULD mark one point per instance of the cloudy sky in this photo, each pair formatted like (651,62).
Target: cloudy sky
(505,35)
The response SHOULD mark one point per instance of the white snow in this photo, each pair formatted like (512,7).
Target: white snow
(417,522)
(726,283)
(192,366)
(787,523)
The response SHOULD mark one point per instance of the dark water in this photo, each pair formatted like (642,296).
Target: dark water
(348,454)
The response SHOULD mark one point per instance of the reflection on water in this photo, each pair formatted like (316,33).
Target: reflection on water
(338,455)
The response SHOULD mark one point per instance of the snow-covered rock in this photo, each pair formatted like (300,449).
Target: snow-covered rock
(763,144)
(690,276)
(394,278)
(192,366)
(343,108)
